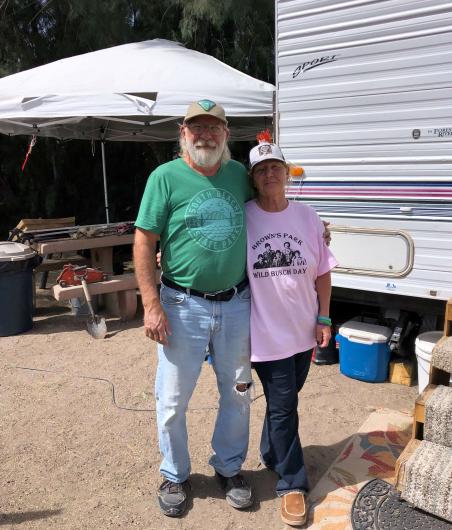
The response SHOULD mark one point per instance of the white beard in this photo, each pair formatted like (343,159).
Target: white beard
(204,153)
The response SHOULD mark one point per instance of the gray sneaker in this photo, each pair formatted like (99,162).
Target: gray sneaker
(173,497)
(238,492)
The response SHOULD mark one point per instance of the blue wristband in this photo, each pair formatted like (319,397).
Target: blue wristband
(324,321)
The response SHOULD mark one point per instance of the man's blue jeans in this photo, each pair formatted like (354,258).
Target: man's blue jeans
(224,327)
(280,442)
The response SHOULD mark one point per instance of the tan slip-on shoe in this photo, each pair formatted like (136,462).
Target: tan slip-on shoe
(293,508)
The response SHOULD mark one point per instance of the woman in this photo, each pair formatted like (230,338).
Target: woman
(289,316)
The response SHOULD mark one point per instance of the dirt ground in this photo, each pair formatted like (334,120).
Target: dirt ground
(78,437)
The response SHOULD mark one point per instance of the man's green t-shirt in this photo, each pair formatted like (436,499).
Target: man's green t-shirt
(201,223)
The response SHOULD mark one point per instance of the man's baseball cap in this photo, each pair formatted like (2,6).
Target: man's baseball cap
(206,107)
(265,151)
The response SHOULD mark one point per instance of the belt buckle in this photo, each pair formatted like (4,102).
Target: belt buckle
(209,296)
(214,296)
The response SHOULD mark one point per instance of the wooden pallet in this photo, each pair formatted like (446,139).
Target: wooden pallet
(39,224)
(402,371)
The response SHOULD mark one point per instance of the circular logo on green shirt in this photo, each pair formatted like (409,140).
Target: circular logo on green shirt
(214,219)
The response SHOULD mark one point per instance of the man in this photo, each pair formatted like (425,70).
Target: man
(288,253)
(269,255)
(195,206)
(278,260)
(260,263)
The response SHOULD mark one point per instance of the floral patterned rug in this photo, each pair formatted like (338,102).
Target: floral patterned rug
(371,453)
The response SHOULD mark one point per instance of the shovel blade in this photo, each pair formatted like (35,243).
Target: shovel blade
(96,327)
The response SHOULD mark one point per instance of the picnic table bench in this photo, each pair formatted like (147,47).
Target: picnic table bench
(124,285)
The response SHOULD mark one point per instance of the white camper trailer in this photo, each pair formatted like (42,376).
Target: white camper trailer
(364,105)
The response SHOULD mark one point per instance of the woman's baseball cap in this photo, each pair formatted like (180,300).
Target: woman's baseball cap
(265,151)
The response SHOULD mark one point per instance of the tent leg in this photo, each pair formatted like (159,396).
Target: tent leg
(104,171)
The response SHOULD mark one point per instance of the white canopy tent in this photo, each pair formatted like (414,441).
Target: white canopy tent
(132,92)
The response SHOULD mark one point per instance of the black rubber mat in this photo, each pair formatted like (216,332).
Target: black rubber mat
(378,506)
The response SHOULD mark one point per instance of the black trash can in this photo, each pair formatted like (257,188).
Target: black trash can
(17,262)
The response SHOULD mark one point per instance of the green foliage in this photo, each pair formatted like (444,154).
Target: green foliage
(63,179)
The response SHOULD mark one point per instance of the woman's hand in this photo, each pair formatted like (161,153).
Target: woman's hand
(323,335)
(326,232)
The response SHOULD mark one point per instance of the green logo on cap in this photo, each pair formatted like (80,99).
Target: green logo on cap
(206,104)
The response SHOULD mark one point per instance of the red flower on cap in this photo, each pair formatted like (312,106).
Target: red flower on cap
(265,137)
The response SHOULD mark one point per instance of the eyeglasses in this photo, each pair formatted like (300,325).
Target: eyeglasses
(197,128)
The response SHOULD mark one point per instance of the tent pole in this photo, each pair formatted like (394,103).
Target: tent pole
(104,171)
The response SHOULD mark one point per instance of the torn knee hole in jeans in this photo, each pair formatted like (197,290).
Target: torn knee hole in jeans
(242,388)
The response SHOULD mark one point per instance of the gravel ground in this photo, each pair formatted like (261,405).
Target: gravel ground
(78,438)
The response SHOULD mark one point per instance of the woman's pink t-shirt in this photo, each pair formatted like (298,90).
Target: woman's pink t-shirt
(286,252)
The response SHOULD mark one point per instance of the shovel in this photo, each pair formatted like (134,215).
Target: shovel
(95,324)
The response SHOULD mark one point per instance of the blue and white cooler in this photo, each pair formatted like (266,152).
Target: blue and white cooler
(364,351)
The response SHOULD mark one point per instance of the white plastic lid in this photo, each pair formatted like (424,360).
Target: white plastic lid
(11,251)
(427,340)
(364,331)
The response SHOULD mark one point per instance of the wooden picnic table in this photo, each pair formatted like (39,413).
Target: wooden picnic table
(101,248)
